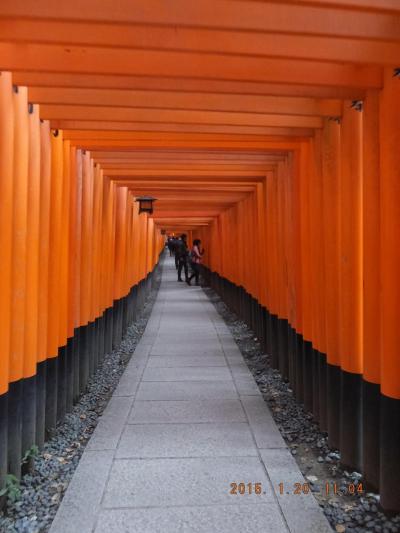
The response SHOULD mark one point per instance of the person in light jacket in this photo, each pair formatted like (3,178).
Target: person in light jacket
(196,255)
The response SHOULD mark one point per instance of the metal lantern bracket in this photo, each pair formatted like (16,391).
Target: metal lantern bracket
(146,204)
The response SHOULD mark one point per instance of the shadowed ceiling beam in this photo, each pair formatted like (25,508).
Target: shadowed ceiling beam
(197,144)
(128,114)
(139,135)
(71,59)
(283,45)
(181,158)
(185,180)
(121,173)
(156,127)
(187,168)
(370,5)
(187,101)
(179,84)
(256,16)
(191,187)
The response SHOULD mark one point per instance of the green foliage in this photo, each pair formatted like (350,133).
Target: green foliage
(11,489)
(31,453)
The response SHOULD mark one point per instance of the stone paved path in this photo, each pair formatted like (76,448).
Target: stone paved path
(186,421)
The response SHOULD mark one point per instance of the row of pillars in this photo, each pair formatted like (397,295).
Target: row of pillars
(76,259)
(315,249)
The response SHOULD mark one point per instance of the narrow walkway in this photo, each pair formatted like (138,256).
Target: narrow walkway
(186,421)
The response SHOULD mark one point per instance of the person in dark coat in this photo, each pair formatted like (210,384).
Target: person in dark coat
(175,245)
(170,245)
(181,255)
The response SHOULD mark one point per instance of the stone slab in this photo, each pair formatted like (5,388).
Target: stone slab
(163,361)
(156,412)
(228,342)
(127,387)
(301,511)
(234,359)
(186,349)
(142,349)
(247,386)
(109,428)
(80,505)
(263,426)
(240,370)
(194,481)
(186,440)
(184,373)
(233,352)
(186,390)
(188,336)
(208,519)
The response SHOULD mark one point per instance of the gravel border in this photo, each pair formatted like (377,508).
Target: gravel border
(42,490)
(309,446)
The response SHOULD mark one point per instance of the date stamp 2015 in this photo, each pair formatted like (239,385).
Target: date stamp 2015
(246,488)
(241,488)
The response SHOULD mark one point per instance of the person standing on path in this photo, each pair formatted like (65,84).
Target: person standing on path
(181,254)
(175,244)
(170,244)
(196,255)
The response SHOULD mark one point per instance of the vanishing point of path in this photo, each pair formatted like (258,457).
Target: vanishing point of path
(185,423)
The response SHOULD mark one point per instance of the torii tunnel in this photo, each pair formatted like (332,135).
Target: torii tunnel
(268,129)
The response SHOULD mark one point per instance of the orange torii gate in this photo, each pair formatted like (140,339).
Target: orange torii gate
(270,130)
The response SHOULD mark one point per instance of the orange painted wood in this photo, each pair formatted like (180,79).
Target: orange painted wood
(56,191)
(274,44)
(371,239)
(109,61)
(98,216)
(186,100)
(318,223)
(108,253)
(227,113)
(169,83)
(281,243)
(260,16)
(6,229)
(73,244)
(44,239)
(91,126)
(316,238)
(32,295)
(260,226)
(86,239)
(297,296)
(64,246)
(290,241)
(78,238)
(19,225)
(390,228)
(120,241)
(179,116)
(350,293)
(304,199)
(331,176)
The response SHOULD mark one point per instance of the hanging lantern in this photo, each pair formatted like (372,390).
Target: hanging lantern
(146,204)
